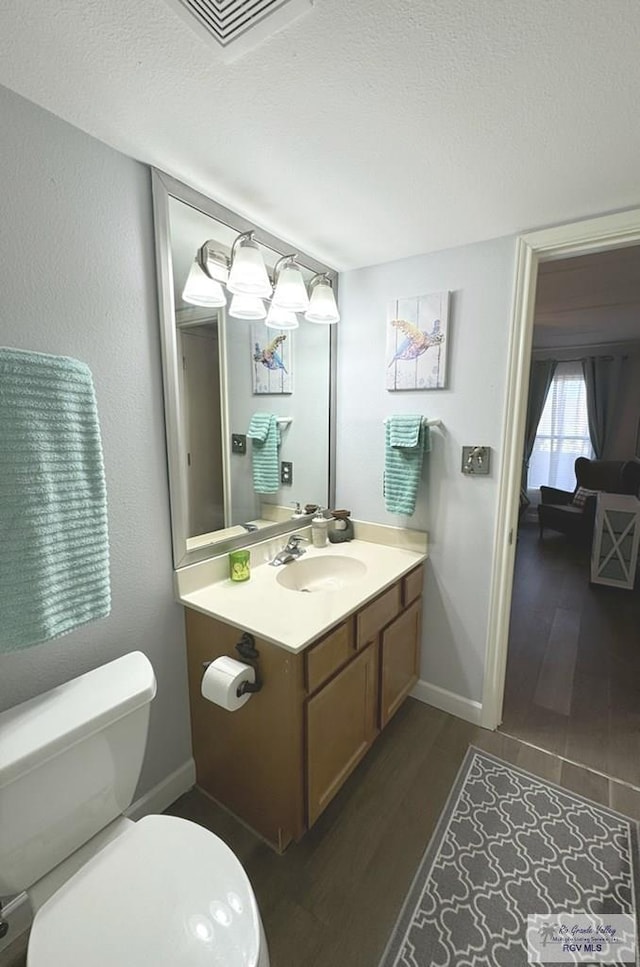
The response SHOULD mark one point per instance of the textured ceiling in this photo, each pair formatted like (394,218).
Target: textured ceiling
(364,131)
(588,300)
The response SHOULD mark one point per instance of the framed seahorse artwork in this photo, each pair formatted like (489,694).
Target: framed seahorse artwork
(417,342)
(271,361)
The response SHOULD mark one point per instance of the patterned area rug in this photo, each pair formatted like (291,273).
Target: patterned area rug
(508,845)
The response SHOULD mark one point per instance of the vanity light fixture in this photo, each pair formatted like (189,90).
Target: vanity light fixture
(247,307)
(246,277)
(201,290)
(322,307)
(213,263)
(279,318)
(248,274)
(290,291)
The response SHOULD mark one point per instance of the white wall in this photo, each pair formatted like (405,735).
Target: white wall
(458,511)
(77,278)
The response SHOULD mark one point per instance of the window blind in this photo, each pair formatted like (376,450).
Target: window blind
(563,431)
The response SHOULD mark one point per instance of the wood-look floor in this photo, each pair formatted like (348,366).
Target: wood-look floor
(573,672)
(332,899)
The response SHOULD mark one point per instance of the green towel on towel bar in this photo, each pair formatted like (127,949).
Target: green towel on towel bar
(54,560)
(407,439)
(265,433)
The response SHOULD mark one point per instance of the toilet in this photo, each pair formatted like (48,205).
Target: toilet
(105,890)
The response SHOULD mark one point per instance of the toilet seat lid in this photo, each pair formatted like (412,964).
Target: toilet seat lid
(166,893)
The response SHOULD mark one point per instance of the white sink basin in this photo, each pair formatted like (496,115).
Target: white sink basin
(327,573)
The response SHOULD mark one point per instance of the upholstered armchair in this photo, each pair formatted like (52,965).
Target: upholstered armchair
(573,513)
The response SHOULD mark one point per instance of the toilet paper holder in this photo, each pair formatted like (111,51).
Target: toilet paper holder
(248,652)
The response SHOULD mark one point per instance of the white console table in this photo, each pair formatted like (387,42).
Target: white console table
(614,552)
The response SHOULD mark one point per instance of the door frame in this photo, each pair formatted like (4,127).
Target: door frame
(577,238)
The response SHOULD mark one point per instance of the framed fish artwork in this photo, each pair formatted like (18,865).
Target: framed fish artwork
(417,336)
(271,360)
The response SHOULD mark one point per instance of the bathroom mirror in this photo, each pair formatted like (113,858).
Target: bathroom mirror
(219,371)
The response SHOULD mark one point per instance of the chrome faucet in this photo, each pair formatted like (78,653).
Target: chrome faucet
(291,551)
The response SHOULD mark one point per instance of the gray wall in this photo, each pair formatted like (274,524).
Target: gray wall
(77,278)
(458,511)
(623,436)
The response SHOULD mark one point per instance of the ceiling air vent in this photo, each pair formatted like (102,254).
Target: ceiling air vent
(239,25)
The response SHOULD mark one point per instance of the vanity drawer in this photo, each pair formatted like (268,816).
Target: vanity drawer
(329,655)
(412,585)
(375,616)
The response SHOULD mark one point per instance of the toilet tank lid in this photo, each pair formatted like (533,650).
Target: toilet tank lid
(42,727)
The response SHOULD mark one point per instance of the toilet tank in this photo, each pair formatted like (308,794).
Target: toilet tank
(69,765)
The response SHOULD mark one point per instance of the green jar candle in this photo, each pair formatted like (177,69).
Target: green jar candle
(240,565)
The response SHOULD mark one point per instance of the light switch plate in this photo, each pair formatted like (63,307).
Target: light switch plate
(476,461)
(286,472)
(238,443)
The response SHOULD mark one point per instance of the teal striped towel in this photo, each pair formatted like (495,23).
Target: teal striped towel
(54,560)
(406,441)
(265,433)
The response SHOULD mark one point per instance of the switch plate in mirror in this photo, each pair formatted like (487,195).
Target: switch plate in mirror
(238,443)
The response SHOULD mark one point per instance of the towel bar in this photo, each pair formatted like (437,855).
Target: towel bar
(427,422)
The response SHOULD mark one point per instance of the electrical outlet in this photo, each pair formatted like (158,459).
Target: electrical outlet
(238,443)
(286,472)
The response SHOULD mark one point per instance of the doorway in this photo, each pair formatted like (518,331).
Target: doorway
(573,669)
(581,238)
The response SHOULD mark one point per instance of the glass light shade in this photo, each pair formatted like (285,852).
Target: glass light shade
(322,308)
(248,275)
(291,292)
(247,307)
(200,290)
(279,318)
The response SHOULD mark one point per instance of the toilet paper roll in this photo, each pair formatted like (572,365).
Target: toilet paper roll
(222,680)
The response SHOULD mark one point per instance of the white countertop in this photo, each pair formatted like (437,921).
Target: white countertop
(292,619)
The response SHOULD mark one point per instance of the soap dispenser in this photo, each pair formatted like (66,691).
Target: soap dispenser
(319,529)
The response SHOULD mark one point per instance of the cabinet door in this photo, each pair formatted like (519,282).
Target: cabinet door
(341,725)
(400,660)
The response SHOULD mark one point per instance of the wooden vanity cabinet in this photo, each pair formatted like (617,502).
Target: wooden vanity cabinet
(399,660)
(279,760)
(374,616)
(342,722)
(251,760)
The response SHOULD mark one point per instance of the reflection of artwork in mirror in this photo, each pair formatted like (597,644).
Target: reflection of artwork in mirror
(211,378)
(417,342)
(271,358)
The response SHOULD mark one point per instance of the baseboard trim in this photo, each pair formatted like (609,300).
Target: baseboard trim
(463,708)
(161,796)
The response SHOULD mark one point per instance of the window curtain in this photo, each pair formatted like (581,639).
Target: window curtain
(563,431)
(542,371)
(602,376)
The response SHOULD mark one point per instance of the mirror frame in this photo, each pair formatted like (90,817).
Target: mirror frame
(165,187)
